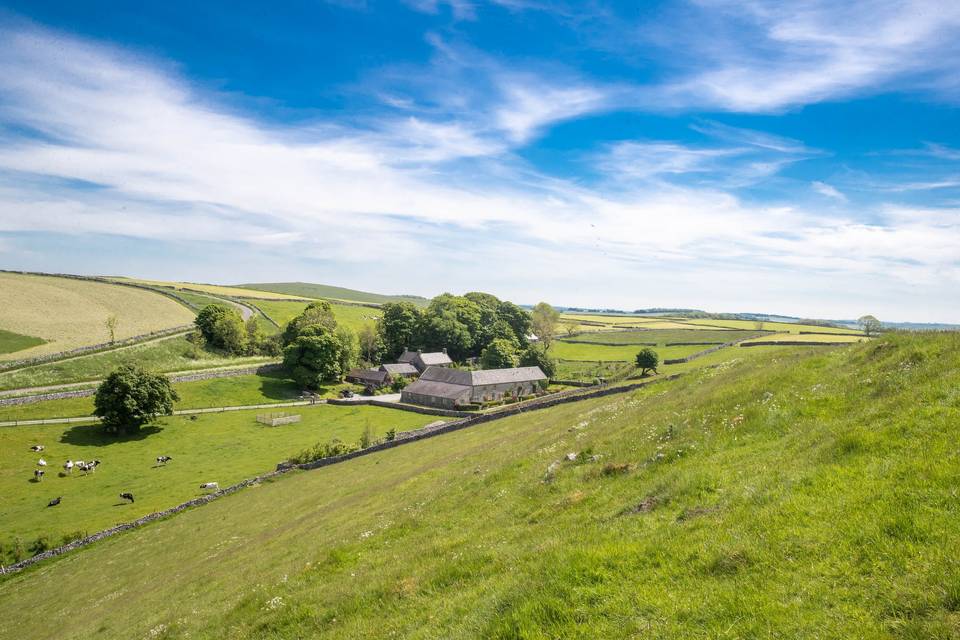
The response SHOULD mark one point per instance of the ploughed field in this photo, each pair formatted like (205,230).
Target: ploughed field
(217,447)
(67,313)
(807,491)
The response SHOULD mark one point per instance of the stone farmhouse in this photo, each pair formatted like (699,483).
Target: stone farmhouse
(370,378)
(402,369)
(448,388)
(422,360)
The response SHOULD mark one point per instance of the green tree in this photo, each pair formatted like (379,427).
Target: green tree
(518,319)
(316,313)
(455,323)
(131,397)
(371,345)
(536,355)
(869,325)
(544,319)
(349,348)
(499,354)
(256,337)
(222,328)
(399,328)
(647,360)
(314,358)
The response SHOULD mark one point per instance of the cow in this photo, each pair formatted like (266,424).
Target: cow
(89,467)
(212,486)
(163,459)
(38,474)
(37,448)
(127,496)
(41,462)
(68,466)
(55,501)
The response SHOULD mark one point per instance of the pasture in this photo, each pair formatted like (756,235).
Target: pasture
(809,337)
(221,447)
(766,486)
(624,353)
(663,336)
(11,342)
(785,327)
(163,355)
(235,391)
(68,313)
(348,315)
(328,292)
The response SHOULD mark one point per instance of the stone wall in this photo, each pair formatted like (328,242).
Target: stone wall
(794,343)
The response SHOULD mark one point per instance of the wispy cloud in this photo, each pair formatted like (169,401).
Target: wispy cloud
(828,190)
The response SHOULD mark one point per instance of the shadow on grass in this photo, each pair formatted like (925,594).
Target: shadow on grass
(277,386)
(93,435)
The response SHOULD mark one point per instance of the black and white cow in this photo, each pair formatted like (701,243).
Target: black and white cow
(38,474)
(127,496)
(164,459)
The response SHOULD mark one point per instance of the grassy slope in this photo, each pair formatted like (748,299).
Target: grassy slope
(787,327)
(310,290)
(223,447)
(11,342)
(170,354)
(353,316)
(70,313)
(214,289)
(809,337)
(807,494)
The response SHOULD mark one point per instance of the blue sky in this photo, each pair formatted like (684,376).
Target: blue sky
(799,158)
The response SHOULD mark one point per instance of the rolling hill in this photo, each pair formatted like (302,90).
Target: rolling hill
(800,494)
(310,290)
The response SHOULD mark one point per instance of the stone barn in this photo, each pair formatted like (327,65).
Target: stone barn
(422,360)
(449,388)
(400,369)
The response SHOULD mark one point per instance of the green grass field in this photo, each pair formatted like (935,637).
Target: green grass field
(809,337)
(353,316)
(803,494)
(221,447)
(310,290)
(786,327)
(168,354)
(11,342)
(662,336)
(624,353)
(68,313)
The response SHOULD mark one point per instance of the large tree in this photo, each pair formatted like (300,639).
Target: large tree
(222,327)
(870,325)
(319,312)
(545,319)
(371,346)
(315,357)
(518,319)
(453,322)
(499,354)
(131,397)
(647,360)
(399,328)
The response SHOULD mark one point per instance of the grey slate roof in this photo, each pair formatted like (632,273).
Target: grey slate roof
(407,356)
(368,375)
(436,358)
(399,369)
(483,377)
(437,389)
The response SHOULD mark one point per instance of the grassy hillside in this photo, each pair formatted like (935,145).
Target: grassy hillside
(69,313)
(212,289)
(663,336)
(804,494)
(164,355)
(217,447)
(310,290)
(624,353)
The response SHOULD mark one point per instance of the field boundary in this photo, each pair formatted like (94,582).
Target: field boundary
(795,343)
(417,435)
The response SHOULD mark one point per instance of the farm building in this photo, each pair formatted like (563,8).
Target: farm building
(422,360)
(371,378)
(448,388)
(403,369)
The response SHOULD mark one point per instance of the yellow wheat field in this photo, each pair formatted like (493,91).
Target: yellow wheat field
(70,313)
(213,289)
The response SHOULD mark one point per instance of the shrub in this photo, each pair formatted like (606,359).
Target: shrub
(615,468)
(322,450)
(536,356)
(391,434)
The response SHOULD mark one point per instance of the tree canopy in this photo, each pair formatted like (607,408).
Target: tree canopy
(647,360)
(499,354)
(131,397)
(536,355)
(869,325)
(319,313)
(222,327)
(315,357)
(544,319)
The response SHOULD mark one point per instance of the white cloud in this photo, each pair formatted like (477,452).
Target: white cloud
(177,165)
(827,190)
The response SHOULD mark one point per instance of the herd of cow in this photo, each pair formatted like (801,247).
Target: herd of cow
(91,467)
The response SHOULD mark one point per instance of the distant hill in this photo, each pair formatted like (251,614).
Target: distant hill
(311,290)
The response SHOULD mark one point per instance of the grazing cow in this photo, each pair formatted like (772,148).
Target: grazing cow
(79,463)
(212,486)
(38,474)
(163,459)
(68,466)
(41,462)
(55,501)
(37,447)
(127,496)
(89,467)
